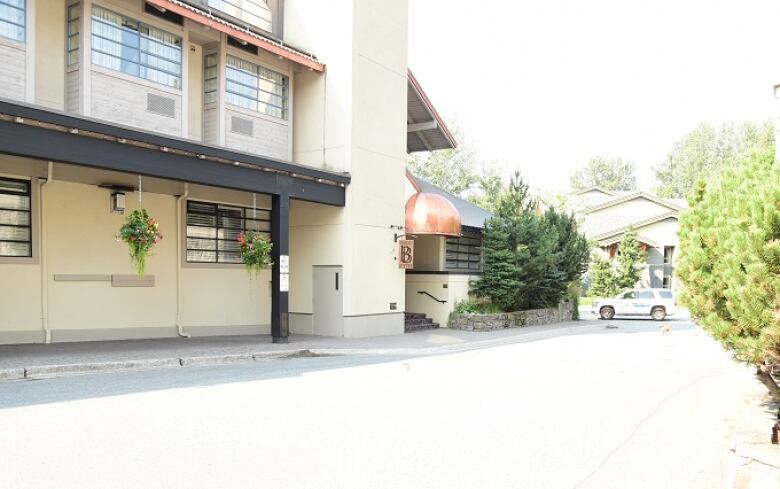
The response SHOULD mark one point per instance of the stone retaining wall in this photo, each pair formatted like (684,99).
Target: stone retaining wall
(532,317)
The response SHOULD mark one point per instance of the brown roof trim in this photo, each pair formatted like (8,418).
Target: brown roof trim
(428,105)
(413,181)
(201,17)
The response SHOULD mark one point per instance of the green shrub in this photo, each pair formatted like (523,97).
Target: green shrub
(730,259)
(470,306)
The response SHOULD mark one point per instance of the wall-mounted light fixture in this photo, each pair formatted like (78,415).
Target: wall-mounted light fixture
(118,203)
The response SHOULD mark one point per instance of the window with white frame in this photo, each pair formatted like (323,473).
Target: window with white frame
(12,19)
(137,49)
(255,12)
(74,29)
(15,218)
(256,88)
(213,230)
(464,253)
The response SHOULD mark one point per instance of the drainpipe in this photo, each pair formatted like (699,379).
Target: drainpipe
(43,235)
(179,201)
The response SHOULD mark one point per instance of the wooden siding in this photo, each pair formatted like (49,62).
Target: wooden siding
(210,116)
(12,74)
(119,100)
(269,138)
(72,92)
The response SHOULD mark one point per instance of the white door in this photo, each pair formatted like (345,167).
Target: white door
(327,300)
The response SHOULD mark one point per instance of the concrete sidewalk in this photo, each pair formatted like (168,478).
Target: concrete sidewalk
(40,361)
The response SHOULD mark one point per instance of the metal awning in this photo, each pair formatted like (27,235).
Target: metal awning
(425,129)
(207,18)
(44,134)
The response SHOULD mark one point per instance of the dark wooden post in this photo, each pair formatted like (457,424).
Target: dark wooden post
(280,237)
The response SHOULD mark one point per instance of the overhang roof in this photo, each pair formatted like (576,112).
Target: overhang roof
(619,238)
(50,135)
(595,188)
(635,195)
(425,129)
(637,225)
(205,16)
(470,214)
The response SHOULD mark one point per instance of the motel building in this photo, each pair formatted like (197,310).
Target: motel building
(290,117)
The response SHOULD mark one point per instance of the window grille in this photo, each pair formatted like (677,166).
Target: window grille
(213,230)
(15,218)
(210,78)
(256,88)
(464,253)
(74,30)
(12,19)
(137,49)
(255,12)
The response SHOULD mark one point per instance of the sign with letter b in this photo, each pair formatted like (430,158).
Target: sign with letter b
(406,253)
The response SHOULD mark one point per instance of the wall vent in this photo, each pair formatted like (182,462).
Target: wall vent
(160,105)
(239,125)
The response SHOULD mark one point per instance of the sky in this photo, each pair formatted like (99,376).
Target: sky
(544,85)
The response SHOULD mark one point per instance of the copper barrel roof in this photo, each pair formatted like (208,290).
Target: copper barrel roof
(428,213)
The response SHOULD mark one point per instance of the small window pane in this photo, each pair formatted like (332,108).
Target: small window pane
(17,218)
(645,294)
(15,249)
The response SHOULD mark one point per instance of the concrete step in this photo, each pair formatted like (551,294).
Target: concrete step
(418,322)
(414,315)
(421,327)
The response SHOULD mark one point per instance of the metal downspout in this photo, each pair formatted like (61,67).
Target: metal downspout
(42,250)
(179,199)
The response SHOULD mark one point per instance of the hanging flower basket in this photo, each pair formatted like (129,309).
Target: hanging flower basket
(141,233)
(255,251)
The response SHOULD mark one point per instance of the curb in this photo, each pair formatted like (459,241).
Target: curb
(61,370)
(50,371)
(47,371)
(11,373)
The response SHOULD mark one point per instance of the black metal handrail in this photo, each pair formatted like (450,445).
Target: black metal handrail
(432,297)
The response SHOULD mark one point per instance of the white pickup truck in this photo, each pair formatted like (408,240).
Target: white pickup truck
(654,303)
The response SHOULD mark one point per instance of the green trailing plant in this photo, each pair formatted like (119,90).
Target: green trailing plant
(255,251)
(140,232)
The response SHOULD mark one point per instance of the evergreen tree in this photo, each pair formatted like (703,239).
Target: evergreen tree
(530,260)
(602,278)
(630,257)
(499,273)
(730,260)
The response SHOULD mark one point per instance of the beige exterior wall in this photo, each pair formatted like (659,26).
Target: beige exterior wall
(452,288)
(362,101)
(78,235)
(50,53)
(429,253)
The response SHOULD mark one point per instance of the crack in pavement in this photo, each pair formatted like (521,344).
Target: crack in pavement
(639,425)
